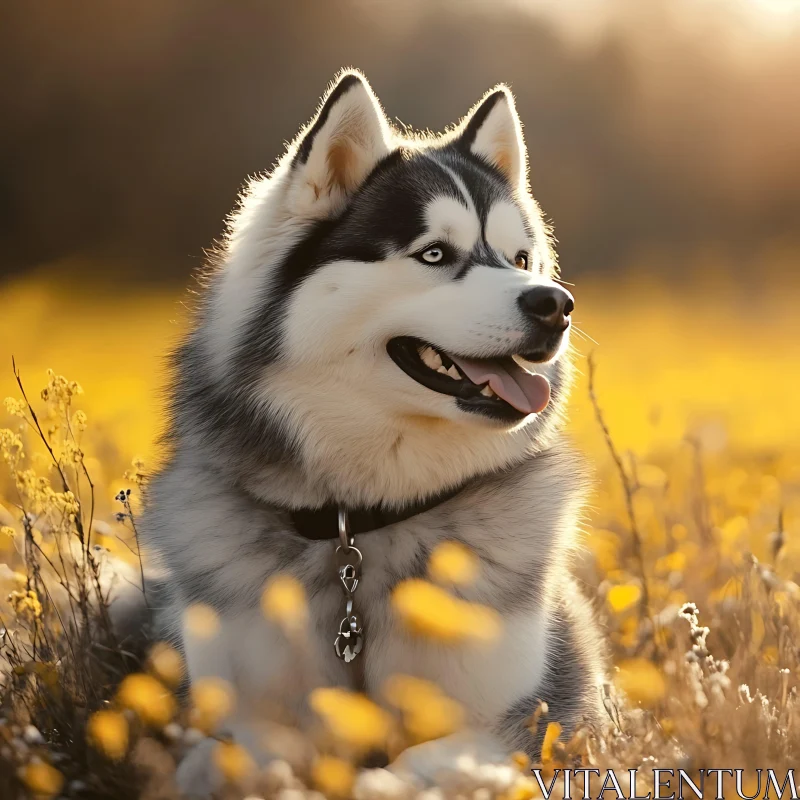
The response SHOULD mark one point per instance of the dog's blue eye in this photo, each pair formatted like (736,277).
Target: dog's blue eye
(433,255)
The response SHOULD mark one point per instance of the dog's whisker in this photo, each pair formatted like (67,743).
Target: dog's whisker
(585,335)
(579,332)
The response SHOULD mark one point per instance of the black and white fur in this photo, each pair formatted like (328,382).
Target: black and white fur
(285,397)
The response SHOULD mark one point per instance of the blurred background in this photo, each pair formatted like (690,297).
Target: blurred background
(664,142)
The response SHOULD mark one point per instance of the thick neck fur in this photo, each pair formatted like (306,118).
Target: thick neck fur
(342,446)
(386,463)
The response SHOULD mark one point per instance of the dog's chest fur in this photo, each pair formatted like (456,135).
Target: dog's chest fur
(221,546)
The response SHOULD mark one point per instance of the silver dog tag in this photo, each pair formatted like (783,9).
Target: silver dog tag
(350,642)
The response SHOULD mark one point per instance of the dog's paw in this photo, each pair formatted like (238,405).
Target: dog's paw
(450,755)
(197,776)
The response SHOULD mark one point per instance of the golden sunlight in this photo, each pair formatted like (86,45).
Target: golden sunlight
(782,7)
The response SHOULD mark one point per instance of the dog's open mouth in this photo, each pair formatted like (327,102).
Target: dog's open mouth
(497,387)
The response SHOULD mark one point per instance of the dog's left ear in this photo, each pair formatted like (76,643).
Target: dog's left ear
(334,154)
(492,131)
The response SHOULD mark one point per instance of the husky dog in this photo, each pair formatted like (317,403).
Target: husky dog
(382,334)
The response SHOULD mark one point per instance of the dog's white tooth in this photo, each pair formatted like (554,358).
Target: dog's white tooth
(487,391)
(442,370)
(454,373)
(429,357)
(437,360)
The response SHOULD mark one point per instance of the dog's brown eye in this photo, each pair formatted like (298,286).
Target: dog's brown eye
(521,261)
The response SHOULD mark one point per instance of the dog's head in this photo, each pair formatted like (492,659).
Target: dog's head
(385,307)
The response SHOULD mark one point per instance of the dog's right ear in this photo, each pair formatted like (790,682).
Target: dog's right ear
(334,154)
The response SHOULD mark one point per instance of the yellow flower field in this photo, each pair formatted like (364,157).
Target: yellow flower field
(691,553)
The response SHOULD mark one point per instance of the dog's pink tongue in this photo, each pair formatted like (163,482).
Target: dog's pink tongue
(527,392)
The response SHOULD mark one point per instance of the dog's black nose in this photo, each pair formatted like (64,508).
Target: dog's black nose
(548,305)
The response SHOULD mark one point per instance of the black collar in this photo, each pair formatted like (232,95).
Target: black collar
(323,523)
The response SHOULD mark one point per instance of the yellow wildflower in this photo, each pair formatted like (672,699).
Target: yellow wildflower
(71,453)
(16,408)
(213,699)
(641,681)
(605,546)
(333,776)
(64,502)
(108,732)
(233,761)
(167,664)
(427,712)
(650,476)
(452,562)
(520,760)
(674,562)
(551,736)
(42,780)
(621,598)
(523,789)
(770,655)
(11,448)
(284,603)
(59,391)
(351,717)
(148,698)
(137,474)
(679,532)
(79,421)
(430,611)
(201,621)
(26,603)
(667,725)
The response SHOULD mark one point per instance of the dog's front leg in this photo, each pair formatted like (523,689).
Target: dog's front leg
(256,663)
(569,689)
(199,777)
